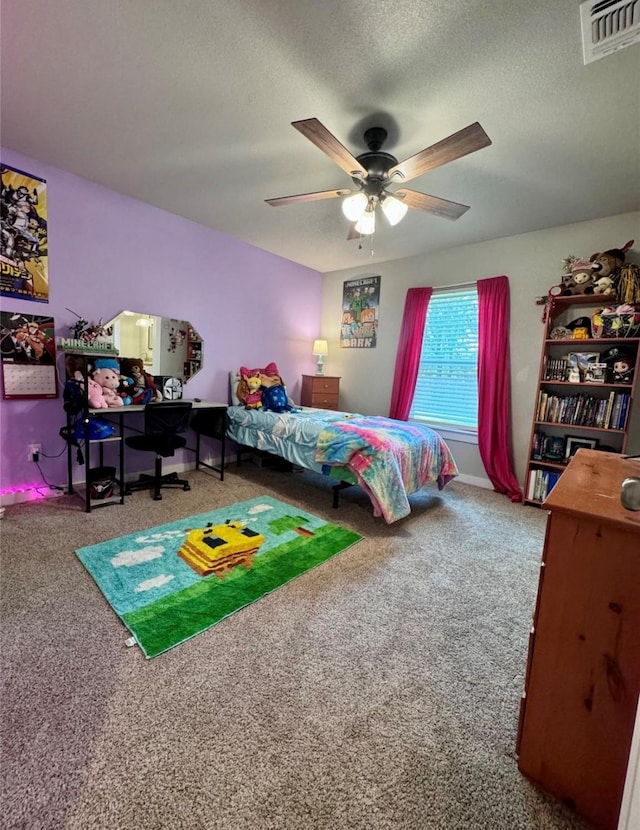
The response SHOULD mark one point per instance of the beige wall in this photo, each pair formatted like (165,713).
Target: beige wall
(533,263)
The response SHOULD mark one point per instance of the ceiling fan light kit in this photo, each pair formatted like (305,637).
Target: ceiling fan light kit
(393,209)
(366,224)
(372,173)
(354,206)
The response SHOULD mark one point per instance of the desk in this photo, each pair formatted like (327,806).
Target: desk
(121,415)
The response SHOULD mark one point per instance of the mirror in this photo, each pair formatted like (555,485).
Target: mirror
(166,346)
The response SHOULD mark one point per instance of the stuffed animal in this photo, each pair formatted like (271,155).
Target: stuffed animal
(139,385)
(626,276)
(249,388)
(109,380)
(275,399)
(95,395)
(582,278)
(620,363)
(604,285)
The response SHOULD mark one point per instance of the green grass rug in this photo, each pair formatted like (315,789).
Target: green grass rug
(173,581)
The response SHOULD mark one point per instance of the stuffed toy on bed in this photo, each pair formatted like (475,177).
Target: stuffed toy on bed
(250,388)
(275,399)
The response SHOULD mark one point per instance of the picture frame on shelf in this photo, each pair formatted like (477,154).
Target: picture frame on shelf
(573,443)
(585,367)
(554,448)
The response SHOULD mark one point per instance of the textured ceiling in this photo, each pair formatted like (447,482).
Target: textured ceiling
(187,106)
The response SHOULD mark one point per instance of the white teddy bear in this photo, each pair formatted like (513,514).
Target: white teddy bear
(604,285)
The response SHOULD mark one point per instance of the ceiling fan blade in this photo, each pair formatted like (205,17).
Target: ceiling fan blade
(459,144)
(432,204)
(353,233)
(306,197)
(316,132)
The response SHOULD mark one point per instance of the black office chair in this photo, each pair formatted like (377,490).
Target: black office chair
(162,423)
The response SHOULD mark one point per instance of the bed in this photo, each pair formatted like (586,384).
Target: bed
(388,459)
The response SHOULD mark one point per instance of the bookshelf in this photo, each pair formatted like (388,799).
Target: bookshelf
(580,400)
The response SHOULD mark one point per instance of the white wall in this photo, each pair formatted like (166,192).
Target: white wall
(533,263)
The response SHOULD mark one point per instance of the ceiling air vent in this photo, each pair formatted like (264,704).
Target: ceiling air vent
(608,25)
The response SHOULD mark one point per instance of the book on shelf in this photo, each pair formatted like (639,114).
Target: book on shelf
(541,483)
(555,368)
(607,416)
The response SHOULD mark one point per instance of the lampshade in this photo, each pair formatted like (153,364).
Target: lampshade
(393,209)
(320,347)
(366,224)
(354,206)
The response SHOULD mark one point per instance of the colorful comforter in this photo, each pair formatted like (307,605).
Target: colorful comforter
(390,459)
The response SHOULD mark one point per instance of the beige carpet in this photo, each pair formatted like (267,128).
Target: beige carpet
(379,690)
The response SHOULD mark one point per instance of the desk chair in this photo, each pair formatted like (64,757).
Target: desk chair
(162,423)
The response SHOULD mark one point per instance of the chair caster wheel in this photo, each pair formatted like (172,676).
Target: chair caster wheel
(186,487)
(158,497)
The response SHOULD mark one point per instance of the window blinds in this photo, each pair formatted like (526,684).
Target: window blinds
(447,385)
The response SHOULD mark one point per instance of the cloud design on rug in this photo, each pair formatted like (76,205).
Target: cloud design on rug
(159,537)
(259,508)
(150,584)
(128,558)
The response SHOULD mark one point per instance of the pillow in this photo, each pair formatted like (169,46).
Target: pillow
(234,380)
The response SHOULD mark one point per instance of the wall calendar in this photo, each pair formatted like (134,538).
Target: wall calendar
(27,344)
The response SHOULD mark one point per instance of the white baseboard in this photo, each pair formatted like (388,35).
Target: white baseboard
(475,481)
(29,494)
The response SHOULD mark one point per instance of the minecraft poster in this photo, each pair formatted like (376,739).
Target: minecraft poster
(360,305)
(24,260)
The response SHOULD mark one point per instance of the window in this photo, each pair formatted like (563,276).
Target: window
(446,392)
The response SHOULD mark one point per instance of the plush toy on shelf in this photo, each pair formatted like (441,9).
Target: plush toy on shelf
(625,275)
(582,279)
(620,363)
(605,286)
(140,385)
(95,394)
(106,373)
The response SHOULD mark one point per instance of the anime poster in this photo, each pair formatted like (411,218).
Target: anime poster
(360,304)
(24,257)
(28,352)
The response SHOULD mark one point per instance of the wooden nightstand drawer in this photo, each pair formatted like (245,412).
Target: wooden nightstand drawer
(325,400)
(320,391)
(325,386)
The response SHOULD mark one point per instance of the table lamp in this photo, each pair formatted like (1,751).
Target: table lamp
(320,350)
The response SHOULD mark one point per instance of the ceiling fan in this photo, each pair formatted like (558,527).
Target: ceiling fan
(374,171)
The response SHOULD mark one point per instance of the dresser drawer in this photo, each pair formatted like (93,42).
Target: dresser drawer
(322,400)
(320,391)
(325,386)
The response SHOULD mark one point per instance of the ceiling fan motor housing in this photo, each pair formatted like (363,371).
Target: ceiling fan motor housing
(375,162)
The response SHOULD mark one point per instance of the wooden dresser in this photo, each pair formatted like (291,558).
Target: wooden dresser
(583,671)
(321,391)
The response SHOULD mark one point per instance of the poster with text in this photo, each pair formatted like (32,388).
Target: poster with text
(360,305)
(24,260)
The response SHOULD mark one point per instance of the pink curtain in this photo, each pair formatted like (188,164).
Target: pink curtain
(494,386)
(408,354)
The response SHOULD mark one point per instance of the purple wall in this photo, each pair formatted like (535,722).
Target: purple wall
(108,252)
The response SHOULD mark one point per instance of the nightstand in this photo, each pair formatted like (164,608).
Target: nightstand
(320,391)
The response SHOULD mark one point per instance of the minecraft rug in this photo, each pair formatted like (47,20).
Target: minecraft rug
(171,582)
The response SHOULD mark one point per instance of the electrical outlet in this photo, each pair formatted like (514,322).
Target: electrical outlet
(33,450)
